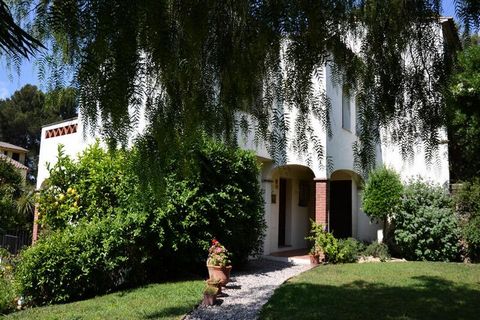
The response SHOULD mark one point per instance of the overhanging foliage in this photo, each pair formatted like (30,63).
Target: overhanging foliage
(197,64)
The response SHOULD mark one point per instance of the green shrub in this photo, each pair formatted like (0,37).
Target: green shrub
(382,194)
(91,258)
(471,234)
(90,188)
(10,191)
(377,250)
(222,201)
(426,227)
(7,296)
(323,242)
(349,250)
(335,250)
(104,229)
(467,204)
(467,198)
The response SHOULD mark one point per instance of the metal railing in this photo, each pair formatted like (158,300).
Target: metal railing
(15,240)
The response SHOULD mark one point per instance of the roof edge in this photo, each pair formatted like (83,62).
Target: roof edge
(58,122)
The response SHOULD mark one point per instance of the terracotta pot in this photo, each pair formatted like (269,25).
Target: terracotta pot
(209,300)
(220,273)
(218,285)
(314,259)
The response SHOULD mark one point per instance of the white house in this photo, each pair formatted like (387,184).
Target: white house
(303,188)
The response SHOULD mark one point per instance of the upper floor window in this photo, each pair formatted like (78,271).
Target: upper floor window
(15,156)
(346,112)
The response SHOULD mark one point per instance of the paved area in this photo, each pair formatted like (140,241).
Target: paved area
(248,291)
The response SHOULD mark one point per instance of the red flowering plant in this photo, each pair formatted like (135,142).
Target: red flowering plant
(218,255)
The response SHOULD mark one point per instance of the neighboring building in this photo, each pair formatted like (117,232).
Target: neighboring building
(15,155)
(303,188)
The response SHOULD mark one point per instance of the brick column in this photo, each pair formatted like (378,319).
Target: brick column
(35,225)
(321,202)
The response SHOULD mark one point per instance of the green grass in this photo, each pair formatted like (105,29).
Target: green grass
(411,290)
(156,301)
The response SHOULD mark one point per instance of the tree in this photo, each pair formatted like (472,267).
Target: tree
(464,115)
(10,191)
(199,63)
(13,39)
(469,12)
(382,195)
(27,110)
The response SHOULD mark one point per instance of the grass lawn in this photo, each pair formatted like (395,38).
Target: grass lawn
(156,301)
(410,290)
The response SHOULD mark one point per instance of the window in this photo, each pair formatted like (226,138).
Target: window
(15,156)
(346,121)
(303,193)
(358,128)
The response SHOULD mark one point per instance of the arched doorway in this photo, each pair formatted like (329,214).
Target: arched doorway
(291,208)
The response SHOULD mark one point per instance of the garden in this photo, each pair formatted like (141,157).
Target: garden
(103,230)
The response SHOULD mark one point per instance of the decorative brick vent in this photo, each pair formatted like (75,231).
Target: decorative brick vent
(61,131)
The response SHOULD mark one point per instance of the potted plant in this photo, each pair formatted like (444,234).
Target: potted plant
(218,263)
(209,295)
(215,283)
(318,236)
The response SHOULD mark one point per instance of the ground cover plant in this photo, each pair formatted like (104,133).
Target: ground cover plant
(406,290)
(156,301)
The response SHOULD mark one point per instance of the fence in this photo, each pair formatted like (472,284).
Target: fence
(15,240)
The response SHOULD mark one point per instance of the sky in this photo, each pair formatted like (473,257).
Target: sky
(10,81)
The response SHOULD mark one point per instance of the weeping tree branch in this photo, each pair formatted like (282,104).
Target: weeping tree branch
(13,39)
(197,64)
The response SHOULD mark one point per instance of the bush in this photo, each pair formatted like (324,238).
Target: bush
(7,294)
(467,198)
(349,250)
(467,203)
(471,234)
(222,201)
(377,250)
(382,194)
(104,229)
(10,191)
(336,251)
(426,227)
(90,188)
(82,261)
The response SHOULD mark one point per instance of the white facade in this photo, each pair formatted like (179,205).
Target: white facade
(289,190)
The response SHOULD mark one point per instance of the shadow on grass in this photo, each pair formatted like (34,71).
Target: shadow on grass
(173,312)
(428,298)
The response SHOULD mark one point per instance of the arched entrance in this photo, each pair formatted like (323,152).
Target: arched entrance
(291,208)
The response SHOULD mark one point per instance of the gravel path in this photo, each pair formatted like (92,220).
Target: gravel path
(248,291)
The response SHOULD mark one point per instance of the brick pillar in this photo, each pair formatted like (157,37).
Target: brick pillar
(321,202)
(35,225)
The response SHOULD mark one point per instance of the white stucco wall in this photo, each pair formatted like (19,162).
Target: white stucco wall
(416,166)
(72,145)
(339,145)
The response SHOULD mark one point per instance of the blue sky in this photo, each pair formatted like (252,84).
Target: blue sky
(10,81)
